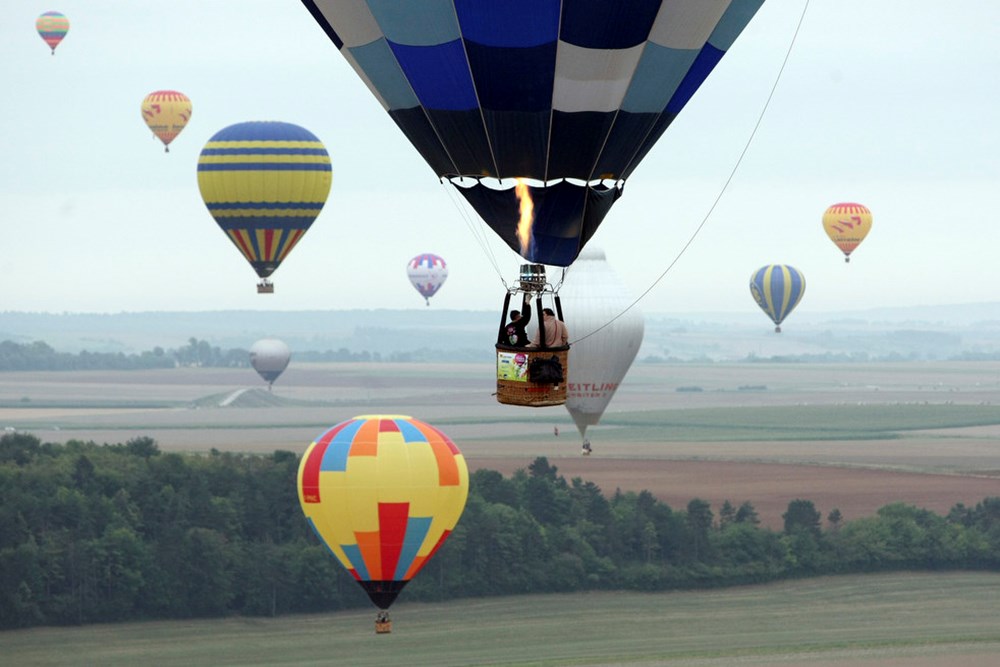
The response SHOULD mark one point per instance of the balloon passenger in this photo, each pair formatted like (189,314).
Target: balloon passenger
(556,333)
(516,332)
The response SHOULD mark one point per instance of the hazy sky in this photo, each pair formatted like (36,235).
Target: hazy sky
(891,103)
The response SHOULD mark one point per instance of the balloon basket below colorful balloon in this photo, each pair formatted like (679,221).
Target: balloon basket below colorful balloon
(383,625)
(513,384)
(265,287)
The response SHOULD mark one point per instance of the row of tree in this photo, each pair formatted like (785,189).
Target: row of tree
(97,533)
(40,356)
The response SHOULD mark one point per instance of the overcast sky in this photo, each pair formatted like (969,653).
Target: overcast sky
(891,103)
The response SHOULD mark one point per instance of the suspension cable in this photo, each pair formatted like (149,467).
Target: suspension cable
(725,186)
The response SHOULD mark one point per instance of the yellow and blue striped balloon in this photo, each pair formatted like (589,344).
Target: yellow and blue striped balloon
(264,182)
(777,289)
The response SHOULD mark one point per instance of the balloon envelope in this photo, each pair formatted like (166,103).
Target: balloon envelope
(546,90)
(264,182)
(383,492)
(427,273)
(593,297)
(269,357)
(847,225)
(52,27)
(777,289)
(166,113)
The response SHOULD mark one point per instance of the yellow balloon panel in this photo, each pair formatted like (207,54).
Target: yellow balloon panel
(383,493)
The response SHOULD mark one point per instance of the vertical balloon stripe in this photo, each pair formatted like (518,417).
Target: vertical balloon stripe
(447,441)
(410,432)
(354,555)
(258,241)
(392,518)
(335,458)
(786,291)
(387,426)
(290,239)
(370,550)
(366,440)
(238,236)
(313,461)
(447,466)
(416,533)
(419,562)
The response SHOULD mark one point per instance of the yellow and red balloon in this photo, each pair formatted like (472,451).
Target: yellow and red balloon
(166,113)
(383,492)
(847,224)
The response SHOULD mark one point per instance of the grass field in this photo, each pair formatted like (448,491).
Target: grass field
(878,620)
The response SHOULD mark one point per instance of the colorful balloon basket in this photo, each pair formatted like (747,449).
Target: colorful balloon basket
(514,386)
(265,287)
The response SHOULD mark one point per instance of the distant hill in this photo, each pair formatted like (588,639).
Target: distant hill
(927,332)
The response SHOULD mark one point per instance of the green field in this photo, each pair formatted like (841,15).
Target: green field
(837,620)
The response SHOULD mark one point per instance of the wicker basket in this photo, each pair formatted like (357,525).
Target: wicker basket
(513,385)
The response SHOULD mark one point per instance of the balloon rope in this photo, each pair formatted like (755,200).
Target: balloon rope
(481,238)
(725,185)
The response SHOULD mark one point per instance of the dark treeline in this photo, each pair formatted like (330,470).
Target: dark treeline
(97,533)
(39,356)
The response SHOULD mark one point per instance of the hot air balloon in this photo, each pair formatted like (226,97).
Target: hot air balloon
(609,337)
(777,289)
(383,492)
(556,100)
(52,27)
(427,273)
(847,225)
(264,182)
(269,357)
(166,112)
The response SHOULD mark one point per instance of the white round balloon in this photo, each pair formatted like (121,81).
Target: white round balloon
(269,357)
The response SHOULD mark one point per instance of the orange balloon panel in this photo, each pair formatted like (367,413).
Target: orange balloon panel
(847,225)
(383,492)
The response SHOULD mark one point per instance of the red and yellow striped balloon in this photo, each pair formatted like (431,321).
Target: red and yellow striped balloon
(383,492)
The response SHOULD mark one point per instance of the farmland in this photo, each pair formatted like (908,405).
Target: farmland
(848,436)
(918,620)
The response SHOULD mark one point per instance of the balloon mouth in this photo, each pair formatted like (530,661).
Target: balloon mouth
(565,212)
(495,183)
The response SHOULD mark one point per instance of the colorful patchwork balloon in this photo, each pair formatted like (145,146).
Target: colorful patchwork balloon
(383,492)
(166,112)
(264,182)
(427,273)
(52,27)
(777,289)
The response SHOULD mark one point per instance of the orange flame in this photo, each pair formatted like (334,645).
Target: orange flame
(527,215)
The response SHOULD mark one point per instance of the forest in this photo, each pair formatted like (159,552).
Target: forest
(101,533)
